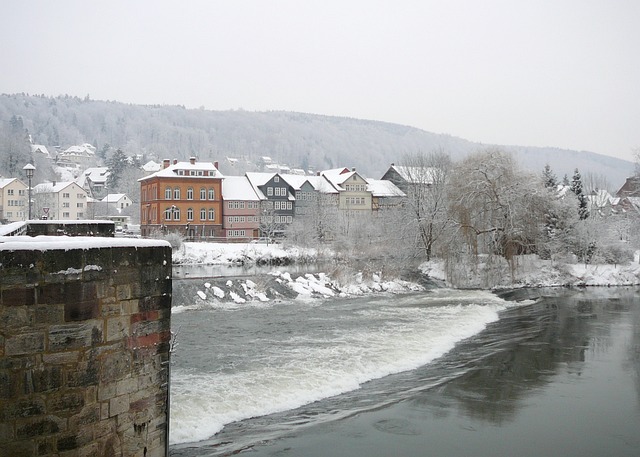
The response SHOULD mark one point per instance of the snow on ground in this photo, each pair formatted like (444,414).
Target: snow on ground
(530,272)
(191,253)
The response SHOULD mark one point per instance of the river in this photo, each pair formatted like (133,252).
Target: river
(293,377)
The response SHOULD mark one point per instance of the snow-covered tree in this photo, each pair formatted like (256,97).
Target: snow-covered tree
(549,178)
(576,188)
(427,216)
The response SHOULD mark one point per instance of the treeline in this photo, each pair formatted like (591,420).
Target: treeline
(306,141)
(478,215)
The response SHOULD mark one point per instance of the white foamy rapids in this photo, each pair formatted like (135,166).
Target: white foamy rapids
(309,369)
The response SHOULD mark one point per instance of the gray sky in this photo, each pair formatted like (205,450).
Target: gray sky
(562,73)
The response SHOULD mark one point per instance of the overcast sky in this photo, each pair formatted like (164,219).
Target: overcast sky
(536,73)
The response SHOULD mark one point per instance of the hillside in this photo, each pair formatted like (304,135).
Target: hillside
(307,141)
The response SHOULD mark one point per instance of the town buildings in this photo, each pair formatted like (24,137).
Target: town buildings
(60,201)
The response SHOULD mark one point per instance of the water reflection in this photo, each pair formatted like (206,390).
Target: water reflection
(519,355)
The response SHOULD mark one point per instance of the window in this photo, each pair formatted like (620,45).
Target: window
(10,192)
(21,192)
(190,214)
(277,205)
(190,193)
(176,214)
(276,179)
(212,193)
(167,193)
(81,196)
(65,195)
(65,205)
(65,215)
(289,205)
(203,193)
(79,205)
(176,193)
(167,214)
(269,191)
(80,215)
(212,214)
(203,214)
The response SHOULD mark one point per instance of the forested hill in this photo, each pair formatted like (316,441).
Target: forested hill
(298,140)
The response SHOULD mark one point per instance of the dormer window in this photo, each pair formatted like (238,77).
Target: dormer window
(276,179)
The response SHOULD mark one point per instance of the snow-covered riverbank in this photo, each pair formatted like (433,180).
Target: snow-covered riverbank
(530,272)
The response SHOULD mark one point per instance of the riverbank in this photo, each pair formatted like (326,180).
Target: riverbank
(341,281)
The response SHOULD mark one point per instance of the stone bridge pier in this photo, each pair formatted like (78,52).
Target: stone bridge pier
(84,346)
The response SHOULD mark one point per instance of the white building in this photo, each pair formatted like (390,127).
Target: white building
(60,201)
(13,200)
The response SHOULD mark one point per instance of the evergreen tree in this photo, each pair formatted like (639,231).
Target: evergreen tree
(576,188)
(565,180)
(548,178)
(117,164)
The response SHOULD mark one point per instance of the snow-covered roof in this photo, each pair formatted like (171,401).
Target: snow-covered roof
(6,181)
(113,198)
(338,176)
(46,243)
(238,188)
(40,148)
(383,188)
(83,150)
(184,169)
(151,166)
(416,175)
(51,187)
(97,175)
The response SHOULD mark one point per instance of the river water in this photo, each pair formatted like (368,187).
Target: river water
(293,377)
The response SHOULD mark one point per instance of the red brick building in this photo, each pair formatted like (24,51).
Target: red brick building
(183,197)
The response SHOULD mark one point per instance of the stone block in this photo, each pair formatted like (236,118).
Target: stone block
(15,318)
(39,426)
(107,391)
(88,415)
(81,301)
(51,294)
(18,448)
(61,358)
(50,314)
(118,328)
(26,343)
(46,378)
(75,439)
(69,401)
(19,295)
(104,428)
(115,366)
(74,336)
(126,386)
(85,374)
(118,405)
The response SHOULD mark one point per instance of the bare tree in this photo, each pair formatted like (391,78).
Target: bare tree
(426,208)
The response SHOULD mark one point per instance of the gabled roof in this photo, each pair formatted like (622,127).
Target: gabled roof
(238,188)
(113,198)
(97,175)
(151,166)
(338,176)
(53,187)
(319,183)
(383,188)
(416,175)
(6,181)
(173,171)
(40,148)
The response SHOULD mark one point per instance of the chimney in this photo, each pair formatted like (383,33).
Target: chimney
(215,164)
(353,169)
(166,163)
(192,160)
(175,161)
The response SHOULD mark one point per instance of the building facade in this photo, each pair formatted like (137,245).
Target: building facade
(183,197)
(13,200)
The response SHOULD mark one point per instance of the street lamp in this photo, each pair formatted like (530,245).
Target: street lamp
(29,169)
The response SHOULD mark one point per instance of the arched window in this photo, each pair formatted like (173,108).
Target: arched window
(176,213)
(176,193)
(203,193)
(167,193)
(203,214)
(190,214)
(212,214)
(190,193)
(212,193)
(167,214)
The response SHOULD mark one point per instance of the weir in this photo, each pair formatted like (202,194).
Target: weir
(84,346)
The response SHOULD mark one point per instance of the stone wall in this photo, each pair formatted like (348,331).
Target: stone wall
(84,347)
